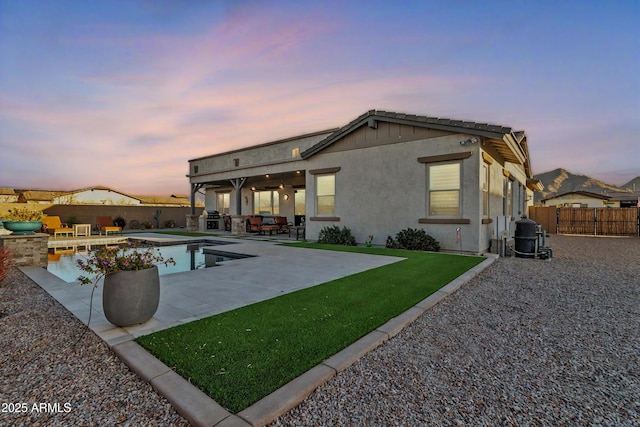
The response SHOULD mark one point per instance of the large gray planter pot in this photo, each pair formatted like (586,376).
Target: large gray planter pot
(131,297)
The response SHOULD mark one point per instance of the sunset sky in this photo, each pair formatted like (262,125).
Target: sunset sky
(124,93)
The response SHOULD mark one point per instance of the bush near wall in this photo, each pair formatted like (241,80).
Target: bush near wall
(414,240)
(336,236)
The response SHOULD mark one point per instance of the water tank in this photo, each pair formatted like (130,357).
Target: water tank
(525,237)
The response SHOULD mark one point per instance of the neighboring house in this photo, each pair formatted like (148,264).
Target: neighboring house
(97,195)
(8,195)
(579,199)
(381,173)
(38,196)
(624,199)
(173,200)
(586,199)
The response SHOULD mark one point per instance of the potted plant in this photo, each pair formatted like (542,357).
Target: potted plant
(131,287)
(23,221)
(369,241)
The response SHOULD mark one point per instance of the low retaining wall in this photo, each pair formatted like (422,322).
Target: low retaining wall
(29,250)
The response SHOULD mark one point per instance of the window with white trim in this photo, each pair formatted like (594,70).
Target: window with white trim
(444,189)
(325,194)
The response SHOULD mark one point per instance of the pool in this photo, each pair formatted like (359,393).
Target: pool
(190,256)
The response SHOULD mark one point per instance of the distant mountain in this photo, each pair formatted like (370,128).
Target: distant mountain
(560,181)
(633,185)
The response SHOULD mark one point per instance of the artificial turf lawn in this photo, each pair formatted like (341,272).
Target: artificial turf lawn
(240,356)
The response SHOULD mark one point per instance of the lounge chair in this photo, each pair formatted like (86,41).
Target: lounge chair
(254,224)
(281,221)
(105,224)
(53,225)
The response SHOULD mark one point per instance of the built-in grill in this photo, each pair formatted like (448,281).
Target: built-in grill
(213,221)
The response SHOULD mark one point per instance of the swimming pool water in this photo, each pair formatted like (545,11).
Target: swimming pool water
(193,256)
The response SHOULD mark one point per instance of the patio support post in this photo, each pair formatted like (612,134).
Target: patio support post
(194,190)
(237,185)
(192,219)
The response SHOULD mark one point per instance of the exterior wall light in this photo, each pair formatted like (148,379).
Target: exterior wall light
(473,140)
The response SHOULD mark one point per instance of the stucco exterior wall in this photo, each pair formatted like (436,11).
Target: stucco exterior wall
(261,159)
(382,190)
(381,182)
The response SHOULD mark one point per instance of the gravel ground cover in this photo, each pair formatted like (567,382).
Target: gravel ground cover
(47,381)
(526,343)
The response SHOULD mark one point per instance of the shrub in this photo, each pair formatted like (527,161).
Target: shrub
(169,223)
(391,244)
(413,239)
(72,220)
(5,263)
(24,214)
(334,235)
(119,222)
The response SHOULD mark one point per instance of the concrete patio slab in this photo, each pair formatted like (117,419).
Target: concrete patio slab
(273,270)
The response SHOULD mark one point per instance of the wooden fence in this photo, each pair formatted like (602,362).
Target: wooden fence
(593,221)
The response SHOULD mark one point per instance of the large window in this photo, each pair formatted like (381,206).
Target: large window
(325,194)
(222,203)
(266,203)
(444,189)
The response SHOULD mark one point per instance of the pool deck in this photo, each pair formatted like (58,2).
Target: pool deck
(187,296)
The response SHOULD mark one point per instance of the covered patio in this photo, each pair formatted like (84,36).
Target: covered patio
(269,180)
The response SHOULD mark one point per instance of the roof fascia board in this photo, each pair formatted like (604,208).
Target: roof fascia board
(515,148)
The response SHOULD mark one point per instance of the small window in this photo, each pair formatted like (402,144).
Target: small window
(485,190)
(195,169)
(326,194)
(508,197)
(295,152)
(444,189)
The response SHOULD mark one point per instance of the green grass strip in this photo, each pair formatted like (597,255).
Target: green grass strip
(240,356)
